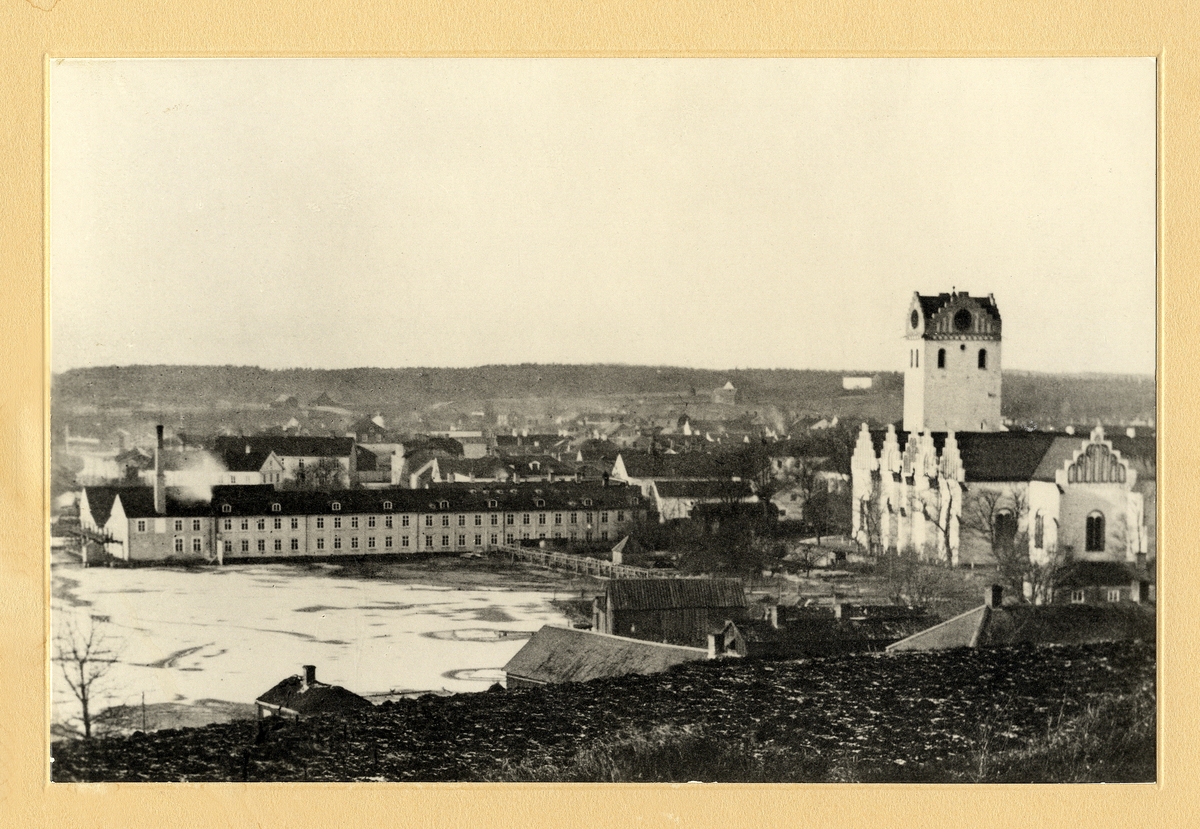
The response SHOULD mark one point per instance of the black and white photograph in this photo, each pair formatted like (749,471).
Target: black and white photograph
(602,420)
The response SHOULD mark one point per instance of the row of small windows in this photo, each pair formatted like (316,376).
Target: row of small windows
(981,358)
(387,505)
(228,524)
(260,545)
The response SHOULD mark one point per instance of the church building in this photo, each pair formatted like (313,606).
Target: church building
(953,485)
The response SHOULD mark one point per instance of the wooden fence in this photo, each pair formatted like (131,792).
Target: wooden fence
(584,565)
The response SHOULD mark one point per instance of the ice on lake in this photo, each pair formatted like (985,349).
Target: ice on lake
(230,633)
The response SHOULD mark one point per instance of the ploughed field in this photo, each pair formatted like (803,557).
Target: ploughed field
(913,716)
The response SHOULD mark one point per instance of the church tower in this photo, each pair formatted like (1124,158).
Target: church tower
(952,373)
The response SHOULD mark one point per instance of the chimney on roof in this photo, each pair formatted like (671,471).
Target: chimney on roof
(993,595)
(308,678)
(160,477)
(1131,432)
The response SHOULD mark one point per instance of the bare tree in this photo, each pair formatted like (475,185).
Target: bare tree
(85,654)
(870,521)
(941,516)
(996,516)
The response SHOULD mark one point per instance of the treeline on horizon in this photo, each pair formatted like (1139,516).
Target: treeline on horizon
(1028,396)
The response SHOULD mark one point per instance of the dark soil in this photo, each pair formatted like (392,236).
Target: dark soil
(914,716)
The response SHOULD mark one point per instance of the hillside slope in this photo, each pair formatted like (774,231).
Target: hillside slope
(919,716)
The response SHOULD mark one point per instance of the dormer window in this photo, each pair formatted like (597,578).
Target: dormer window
(443,504)
(587,502)
(493,504)
(274,507)
(335,506)
(226,508)
(539,502)
(387,504)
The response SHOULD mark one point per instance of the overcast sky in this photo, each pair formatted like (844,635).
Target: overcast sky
(708,213)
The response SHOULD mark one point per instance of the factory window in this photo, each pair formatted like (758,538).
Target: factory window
(337,522)
(508,519)
(141,526)
(178,525)
(445,541)
(941,358)
(354,542)
(462,520)
(179,545)
(320,522)
(403,520)
(478,520)
(445,520)
(275,507)
(370,542)
(226,508)
(573,534)
(228,546)
(387,522)
(983,358)
(428,520)
(574,518)
(462,540)
(245,545)
(620,516)
(320,544)
(227,524)
(195,545)
(262,545)
(295,523)
(429,541)
(1095,533)
(279,545)
(558,533)
(295,544)
(195,525)
(337,542)
(492,538)
(387,541)
(245,523)
(370,520)
(604,535)
(494,519)
(524,518)
(404,541)
(541,518)
(278,523)
(354,522)
(604,518)
(508,538)
(558,518)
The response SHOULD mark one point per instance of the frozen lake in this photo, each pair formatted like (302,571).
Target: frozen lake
(230,633)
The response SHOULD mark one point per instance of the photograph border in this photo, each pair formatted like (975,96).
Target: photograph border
(43,30)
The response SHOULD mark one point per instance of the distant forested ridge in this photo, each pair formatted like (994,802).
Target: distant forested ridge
(1029,397)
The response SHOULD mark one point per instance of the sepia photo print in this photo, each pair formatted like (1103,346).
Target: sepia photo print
(603,420)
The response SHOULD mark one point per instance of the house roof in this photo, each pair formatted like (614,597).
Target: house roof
(554,655)
(687,465)
(301,446)
(138,502)
(664,594)
(100,501)
(317,698)
(703,489)
(1074,624)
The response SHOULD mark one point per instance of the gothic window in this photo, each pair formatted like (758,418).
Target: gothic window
(941,358)
(1039,531)
(983,358)
(1006,531)
(1094,542)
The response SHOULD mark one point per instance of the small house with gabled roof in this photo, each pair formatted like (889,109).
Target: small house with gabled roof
(303,695)
(556,655)
(682,611)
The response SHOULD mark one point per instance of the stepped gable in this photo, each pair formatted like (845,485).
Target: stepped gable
(554,655)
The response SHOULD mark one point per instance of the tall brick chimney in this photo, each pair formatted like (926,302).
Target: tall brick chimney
(309,677)
(160,478)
